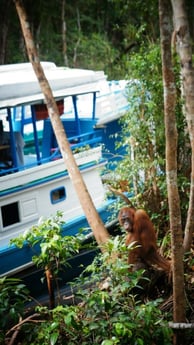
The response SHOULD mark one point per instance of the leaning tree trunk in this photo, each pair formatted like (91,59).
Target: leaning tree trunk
(97,226)
(184,49)
(171,165)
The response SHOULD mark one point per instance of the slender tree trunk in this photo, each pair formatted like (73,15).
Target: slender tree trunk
(64,33)
(85,199)
(51,291)
(184,49)
(78,40)
(5,23)
(171,166)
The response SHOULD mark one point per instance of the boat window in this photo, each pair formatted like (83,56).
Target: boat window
(57,195)
(10,214)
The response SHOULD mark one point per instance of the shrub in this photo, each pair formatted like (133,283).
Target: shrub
(110,310)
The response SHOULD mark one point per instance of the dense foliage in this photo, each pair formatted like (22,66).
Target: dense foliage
(109,307)
(143,137)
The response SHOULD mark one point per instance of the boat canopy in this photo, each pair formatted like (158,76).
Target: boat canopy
(19,84)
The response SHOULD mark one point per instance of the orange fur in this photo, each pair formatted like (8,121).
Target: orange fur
(141,230)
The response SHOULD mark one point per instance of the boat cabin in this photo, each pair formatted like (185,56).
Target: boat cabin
(34,181)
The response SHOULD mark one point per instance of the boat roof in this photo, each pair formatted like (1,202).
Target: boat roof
(19,84)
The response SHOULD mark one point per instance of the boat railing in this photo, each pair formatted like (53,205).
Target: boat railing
(78,143)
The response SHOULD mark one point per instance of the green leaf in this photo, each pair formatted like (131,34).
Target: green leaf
(54,337)
(108,342)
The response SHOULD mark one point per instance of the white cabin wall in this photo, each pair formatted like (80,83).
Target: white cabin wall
(35,203)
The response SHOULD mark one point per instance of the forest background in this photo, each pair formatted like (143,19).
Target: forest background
(100,35)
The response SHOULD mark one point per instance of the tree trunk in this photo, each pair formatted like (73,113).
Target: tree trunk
(85,199)
(78,40)
(184,49)
(51,290)
(5,22)
(171,165)
(64,32)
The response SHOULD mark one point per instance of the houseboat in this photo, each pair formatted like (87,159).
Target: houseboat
(34,181)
